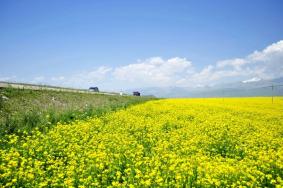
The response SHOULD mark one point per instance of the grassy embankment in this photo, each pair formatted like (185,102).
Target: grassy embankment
(23,110)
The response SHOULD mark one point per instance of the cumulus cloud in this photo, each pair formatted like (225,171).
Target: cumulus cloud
(232,63)
(154,71)
(265,64)
(269,62)
(177,71)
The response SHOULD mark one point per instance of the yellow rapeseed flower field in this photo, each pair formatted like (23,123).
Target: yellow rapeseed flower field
(164,143)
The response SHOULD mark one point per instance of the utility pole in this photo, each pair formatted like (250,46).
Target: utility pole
(272,87)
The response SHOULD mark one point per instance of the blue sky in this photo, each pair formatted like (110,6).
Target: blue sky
(127,44)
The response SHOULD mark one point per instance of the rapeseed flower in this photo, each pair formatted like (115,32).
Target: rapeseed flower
(165,143)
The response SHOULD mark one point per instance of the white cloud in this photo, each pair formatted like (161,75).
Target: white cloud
(265,64)
(268,53)
(232,63)
(154,71)
(255,79)
(177,71)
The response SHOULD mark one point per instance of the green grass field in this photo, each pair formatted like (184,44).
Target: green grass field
(22,110)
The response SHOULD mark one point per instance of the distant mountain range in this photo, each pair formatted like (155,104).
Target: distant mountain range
(248,88)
